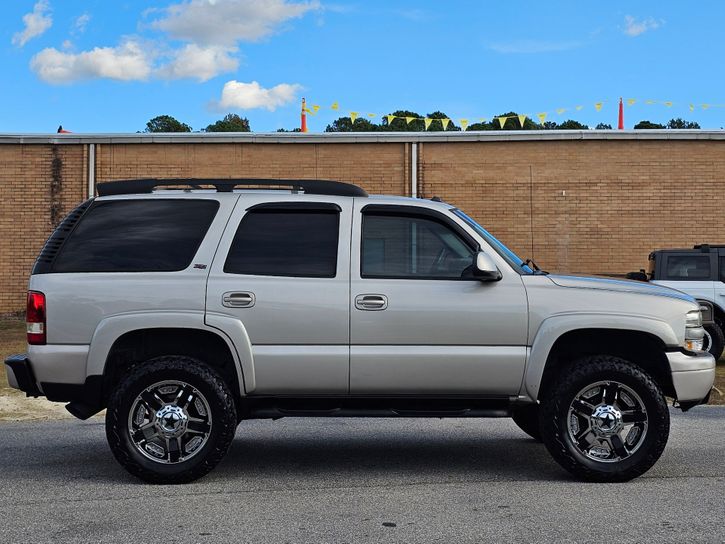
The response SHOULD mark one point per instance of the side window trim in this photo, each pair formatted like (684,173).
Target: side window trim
(393,210)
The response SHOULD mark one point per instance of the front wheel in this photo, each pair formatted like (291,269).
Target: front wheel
(170,420)
(714,340)
(605,420)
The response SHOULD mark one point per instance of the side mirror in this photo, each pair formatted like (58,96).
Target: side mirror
(484,268)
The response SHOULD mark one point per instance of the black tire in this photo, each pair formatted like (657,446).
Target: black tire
(527,419)
(716,341)
(221,426)
(556,429)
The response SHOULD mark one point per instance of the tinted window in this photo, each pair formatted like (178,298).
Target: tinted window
(278,242)
(137,236)
(722,269)
(412,247)
(688,267)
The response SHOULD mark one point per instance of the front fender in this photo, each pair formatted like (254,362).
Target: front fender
(112,328)
(554,327)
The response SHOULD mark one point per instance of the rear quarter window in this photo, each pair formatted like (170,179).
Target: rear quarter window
(149,235)
(688,267)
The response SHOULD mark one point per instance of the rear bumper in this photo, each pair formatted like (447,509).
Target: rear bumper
(693,375)
(21,375)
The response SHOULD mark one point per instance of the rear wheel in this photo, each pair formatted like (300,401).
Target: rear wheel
(605,420)
(171,420)
(527,419)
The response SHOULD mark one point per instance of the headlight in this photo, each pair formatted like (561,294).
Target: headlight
(693,319)
(694,333)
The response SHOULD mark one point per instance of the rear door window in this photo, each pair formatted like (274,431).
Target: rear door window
(149,235)
(695,267)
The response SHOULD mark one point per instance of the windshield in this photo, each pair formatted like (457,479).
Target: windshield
(511,257)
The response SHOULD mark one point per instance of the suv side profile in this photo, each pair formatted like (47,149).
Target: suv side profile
(184,307)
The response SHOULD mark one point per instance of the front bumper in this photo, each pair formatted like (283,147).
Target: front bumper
(693,375)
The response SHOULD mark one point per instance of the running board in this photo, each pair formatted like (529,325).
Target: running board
(278,407)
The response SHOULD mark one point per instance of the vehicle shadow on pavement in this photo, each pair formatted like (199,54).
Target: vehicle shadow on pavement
(410,452)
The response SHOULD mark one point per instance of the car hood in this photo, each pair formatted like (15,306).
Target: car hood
(622,286)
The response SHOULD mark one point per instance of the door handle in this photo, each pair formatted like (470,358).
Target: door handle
(236,299)
(371,302)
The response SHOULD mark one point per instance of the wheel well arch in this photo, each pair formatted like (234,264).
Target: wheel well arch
(638,347)
(136,346)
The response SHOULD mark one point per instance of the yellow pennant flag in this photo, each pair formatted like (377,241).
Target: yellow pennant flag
(353,115)
(522,119)
(445,122)
(427,121)
(598,106)
(631,101)
(390,119)
(560,110)
(705,106)
(482,119)
(408,120)
(464,123)
(579,108)
(308,110)
(649,102)
(501,121)
(335,106)
(692,107)
(668,104)
(542,117)
(316,108)
(372,115)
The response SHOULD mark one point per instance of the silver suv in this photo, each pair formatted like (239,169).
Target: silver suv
(183,307)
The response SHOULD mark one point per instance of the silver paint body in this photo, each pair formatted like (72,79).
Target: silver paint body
(312,336)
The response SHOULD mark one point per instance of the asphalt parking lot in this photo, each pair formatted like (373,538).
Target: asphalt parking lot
(360,480)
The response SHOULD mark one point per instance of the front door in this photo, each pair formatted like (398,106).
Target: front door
(420,323)
(282,270)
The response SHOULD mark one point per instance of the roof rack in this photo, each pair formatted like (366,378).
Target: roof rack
(308,186)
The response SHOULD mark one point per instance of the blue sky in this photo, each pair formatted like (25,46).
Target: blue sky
(100,66)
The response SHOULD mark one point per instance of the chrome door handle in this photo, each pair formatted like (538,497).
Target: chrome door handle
(235,299)
(371,302)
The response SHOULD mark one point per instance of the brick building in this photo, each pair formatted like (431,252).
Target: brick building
(577,201)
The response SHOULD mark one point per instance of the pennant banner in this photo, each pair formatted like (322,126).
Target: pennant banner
(502,120)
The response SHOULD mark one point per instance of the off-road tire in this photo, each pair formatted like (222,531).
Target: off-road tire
(527,419)
(204,379)
(717,339)
(555,409)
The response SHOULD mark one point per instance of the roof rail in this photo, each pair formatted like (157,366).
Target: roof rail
(308,186)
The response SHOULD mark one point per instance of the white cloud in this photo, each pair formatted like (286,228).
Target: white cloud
(36,22)
(79,25)
(126,62)
(633,27)
(202,63)
(533,46)
(247,96)
(226,22)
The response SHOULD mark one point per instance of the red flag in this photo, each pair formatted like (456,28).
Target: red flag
(620,126)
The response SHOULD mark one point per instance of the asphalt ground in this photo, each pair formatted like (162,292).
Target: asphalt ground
(360,480)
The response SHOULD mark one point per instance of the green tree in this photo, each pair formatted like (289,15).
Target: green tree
(401,125)
(166,123)
(681,123)
(230,123)
(603,126)
(512,123)
(293,130)
(345,124)
(438,125)
(647,125)
(570,124)
(550,125)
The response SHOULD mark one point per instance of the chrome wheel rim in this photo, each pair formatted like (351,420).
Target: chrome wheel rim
(707,341)
(169,422)
(607,421)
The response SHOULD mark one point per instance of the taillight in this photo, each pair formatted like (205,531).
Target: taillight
(35,318)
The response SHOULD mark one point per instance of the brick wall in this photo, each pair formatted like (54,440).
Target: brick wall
(586,206)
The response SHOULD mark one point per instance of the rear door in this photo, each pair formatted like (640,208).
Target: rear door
(282,269)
